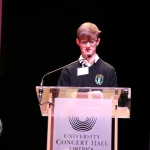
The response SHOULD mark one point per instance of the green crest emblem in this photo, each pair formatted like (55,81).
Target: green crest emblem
(99,79)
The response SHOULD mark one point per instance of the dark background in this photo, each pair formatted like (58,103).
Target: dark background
(39,37)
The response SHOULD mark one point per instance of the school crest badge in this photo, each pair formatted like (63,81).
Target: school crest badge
(99,79)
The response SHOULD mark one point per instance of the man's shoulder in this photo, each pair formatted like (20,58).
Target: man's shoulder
(105,64)
(72,66)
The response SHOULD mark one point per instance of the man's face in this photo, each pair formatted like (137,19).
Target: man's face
(88,46)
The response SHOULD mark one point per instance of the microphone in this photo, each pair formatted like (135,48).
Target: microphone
(41,84)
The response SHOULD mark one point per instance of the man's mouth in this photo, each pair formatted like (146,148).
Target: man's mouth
(88,50)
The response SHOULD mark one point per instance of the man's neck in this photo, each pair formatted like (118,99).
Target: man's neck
(91,60)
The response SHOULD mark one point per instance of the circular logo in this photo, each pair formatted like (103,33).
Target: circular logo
(1,127)
(82,125)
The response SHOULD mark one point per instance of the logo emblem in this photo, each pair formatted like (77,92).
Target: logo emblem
(99,79)
(1,129)
(82,126)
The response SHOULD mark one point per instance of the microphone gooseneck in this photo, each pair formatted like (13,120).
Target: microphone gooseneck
(41,84)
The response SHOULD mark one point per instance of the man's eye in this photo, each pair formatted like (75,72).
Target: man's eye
(84,42)
(91,42)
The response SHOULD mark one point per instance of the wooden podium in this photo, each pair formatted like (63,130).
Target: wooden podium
(120,99)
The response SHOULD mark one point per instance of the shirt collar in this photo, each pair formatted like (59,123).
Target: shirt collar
(85,62)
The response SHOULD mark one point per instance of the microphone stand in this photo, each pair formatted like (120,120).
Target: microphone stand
(41,84)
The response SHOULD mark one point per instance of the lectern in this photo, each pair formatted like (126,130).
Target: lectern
(80,118)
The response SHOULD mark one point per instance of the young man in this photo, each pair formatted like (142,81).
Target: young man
(90,70)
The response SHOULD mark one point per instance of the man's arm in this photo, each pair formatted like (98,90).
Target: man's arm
(64,79)
(113,78)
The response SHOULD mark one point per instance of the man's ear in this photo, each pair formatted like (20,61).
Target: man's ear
(78,42)
(98,41)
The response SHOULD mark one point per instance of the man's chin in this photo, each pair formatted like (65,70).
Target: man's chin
(86,55)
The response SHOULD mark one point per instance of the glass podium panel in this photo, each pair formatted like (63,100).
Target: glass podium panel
(121,95)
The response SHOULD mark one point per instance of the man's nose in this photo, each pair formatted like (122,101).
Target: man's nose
(88,44)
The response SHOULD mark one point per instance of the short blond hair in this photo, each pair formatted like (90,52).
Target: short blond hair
(87,30)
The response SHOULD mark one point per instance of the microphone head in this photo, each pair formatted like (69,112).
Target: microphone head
(89,55)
